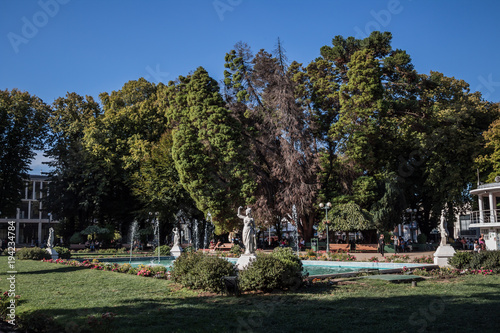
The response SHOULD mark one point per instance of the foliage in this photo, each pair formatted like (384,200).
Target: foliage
(33,253)
(76,238)
(165,250)
(236,250)
(461,259)
(208,149)
(422,239)
(63,252)
(279,270)
(23,128)
(7,300)
(200,271)
(350,217)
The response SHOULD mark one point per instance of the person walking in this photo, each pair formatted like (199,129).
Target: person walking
(381,245)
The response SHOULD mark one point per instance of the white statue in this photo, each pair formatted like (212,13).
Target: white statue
(249,240)
(50,240)
(177,237)
(444,230)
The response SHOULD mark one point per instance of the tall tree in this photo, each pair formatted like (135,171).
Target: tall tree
(208,150)
(74,182)
(22,131)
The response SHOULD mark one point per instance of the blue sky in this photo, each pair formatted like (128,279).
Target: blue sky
(51,47)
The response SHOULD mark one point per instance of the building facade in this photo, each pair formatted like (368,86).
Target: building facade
(487,218)
(32,220)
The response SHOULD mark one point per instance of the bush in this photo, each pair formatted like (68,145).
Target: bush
(484,260)
(200,271)
(236,250)
(77,238)
(34,253)
(164,250)
(422,239)
(279,270)
(461,260)
(63,252)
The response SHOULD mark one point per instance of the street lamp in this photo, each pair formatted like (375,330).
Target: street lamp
(326,207)
(50,218)
(412,224)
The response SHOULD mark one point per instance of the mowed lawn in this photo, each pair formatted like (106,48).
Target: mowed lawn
(141,304)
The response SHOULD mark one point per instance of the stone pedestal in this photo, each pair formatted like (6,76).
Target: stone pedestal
(442,254)
(244,261)
(53,253)
(176,251)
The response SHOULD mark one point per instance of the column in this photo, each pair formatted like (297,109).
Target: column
(492,208)
(40,234)
(481,208)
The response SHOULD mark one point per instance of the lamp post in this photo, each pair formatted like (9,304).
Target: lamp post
(326,207)
(50,218)
(411,225)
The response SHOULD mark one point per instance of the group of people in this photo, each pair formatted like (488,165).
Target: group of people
(400,244)
(92,245)
(477,245)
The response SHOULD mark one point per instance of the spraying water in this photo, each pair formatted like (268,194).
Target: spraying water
(196,236)
(296,233)
(133,230)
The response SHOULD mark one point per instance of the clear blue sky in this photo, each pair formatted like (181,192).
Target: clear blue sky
(51,47)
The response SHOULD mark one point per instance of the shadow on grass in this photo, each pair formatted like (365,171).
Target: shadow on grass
(61,269)
(297,312)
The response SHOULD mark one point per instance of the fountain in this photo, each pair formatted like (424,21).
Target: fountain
(196,244)
(156,231)
(296,233)
(133,229)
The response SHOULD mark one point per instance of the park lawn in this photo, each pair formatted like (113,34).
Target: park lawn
(141,304)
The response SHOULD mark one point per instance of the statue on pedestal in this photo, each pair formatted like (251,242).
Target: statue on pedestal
(444,230)
(177,237)
(249,240)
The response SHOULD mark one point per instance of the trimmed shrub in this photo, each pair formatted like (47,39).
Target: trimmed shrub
(64,253)
(77,238)
(164,250)
(481,260)
(422,239)
(33,253)
(461,260)
(236,250)
(279,270)
(200,271)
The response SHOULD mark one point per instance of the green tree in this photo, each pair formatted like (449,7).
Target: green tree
(22,131)
(72,194)
(208,149)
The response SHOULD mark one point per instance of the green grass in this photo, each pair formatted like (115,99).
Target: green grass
(71,294)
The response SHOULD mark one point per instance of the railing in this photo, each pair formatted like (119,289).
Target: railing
(485,217)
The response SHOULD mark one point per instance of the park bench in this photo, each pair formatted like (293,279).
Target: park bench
(366,247)
(338,247)
(223,247)
(77,246)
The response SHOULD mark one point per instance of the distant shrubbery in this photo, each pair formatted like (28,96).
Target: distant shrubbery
(63,252)
(281,269)
(483,260)
(164,250)
(34,253)
(199,271)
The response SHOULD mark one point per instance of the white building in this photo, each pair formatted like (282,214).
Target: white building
(487,217)
(32,221)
